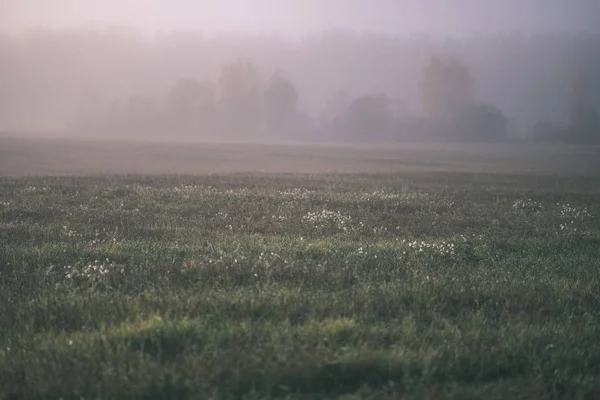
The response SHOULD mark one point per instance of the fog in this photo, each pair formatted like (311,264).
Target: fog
(337,69)
(448,17)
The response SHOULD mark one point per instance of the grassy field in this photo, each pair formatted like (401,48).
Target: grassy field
(44,156)
(414,284)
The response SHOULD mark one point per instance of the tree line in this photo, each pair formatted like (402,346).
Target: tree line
(242,104)
(336,85)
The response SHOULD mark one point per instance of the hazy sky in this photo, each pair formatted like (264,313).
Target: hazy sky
(439,17)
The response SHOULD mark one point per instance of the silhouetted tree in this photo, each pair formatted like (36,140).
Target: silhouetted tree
(240,88)
(446,87)
(524,75)
(481,122)
(280,104)
(140,116)
(189,96)
(585,120)
(141,106)
(544,131)
(191,106)
(332,111)
(368,118)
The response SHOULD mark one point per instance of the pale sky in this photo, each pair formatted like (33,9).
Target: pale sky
(438,17)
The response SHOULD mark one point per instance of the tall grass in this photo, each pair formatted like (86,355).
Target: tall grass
(300,286)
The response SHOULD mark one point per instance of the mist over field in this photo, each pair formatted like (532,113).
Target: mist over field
(335,71)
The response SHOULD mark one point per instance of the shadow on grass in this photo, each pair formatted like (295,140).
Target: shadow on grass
(375,372)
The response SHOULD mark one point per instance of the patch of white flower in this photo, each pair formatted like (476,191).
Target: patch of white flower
(242,192)
(380,230)
(527,205)
(104,237)
(35,189)
(181,190)
(384,195)
(222,259)
(296,193)
(70,233)
(269,258)
(187,188)
(573,219)
(187,191)
(378,195)
(142,190)
(87,274)
(444,248)
(328,219)
(418,248)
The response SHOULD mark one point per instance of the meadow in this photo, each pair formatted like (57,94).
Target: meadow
(438,277)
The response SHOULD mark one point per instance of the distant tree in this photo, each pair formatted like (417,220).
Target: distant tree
(585,119)
(240,88)
(481,122)
(280,104)
(333,109)
(88,108)
(139,105)
(190,96)
(398,107)
(140,116)
(191,106)
(88,100)
(367,118)
(305,123)
(446,87)
(544,131)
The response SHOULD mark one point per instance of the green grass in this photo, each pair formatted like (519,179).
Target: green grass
(412,285)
